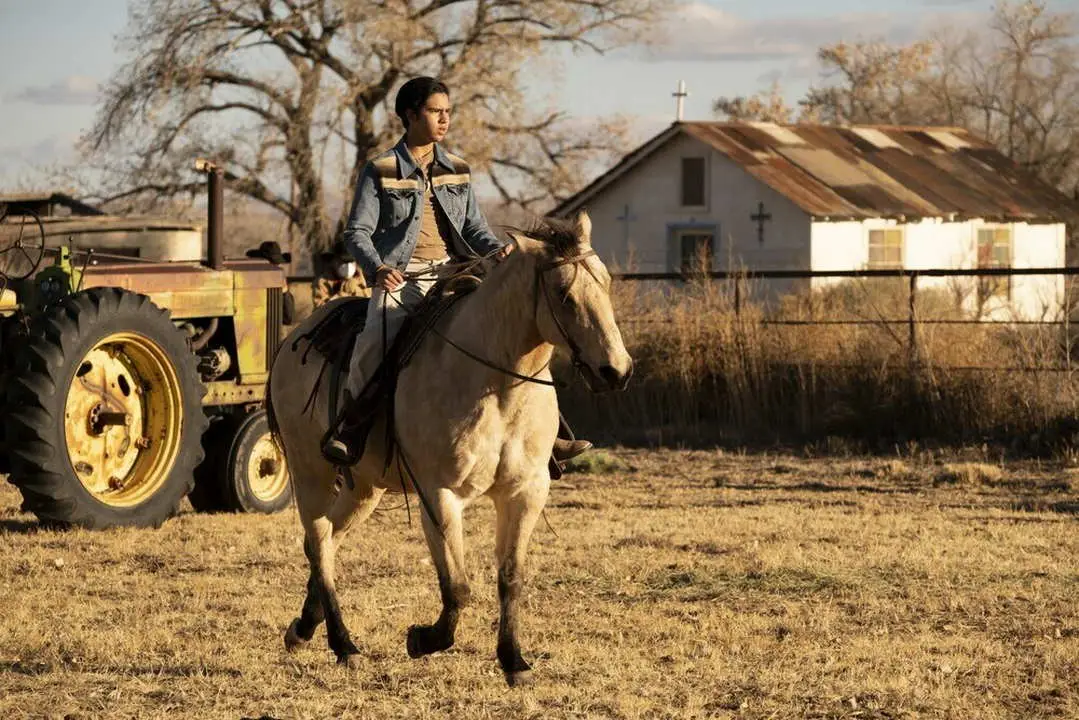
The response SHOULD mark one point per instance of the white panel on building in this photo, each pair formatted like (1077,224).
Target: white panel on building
(876,138)
(948,140)
(782,135)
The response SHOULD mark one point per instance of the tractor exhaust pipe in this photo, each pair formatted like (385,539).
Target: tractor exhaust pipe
(215,213)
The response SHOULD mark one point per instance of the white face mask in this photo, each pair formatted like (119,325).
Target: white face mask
(346,270)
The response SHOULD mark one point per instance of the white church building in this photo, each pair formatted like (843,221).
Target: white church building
(760,196)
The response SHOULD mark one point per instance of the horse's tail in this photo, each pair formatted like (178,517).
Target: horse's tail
(271,415)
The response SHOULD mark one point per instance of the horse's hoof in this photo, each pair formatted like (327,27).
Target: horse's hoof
(424,639)
(521,678)
(414,642)
(351,661)
(292,638)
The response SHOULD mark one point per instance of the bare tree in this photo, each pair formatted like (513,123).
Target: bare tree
(1028,104)
(874,82)
(1015,84)
(293,96)
(768,106)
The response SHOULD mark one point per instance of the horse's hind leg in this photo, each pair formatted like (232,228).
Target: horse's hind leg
(445,538)
(303,628)
(323,534)
(516,518)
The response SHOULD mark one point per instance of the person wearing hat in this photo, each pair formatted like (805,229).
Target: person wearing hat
(338,276)
(270,250)
(414,209)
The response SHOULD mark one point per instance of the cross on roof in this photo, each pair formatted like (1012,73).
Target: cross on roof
(681,95)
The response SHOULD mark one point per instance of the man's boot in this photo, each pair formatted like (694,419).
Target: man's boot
(566,446)
(344,445)
(568,449)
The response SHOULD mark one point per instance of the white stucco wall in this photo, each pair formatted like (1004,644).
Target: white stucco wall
(652,192)
(938,244)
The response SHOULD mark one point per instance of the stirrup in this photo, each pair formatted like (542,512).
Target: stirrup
(338,453)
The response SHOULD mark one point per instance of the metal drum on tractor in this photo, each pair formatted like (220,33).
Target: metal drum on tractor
(129,384)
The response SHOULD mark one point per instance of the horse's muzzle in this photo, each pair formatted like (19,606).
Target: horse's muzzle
(616,379)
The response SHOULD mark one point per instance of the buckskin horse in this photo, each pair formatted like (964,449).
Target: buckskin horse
(474,413)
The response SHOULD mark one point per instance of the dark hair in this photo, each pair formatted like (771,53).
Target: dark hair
(414,94)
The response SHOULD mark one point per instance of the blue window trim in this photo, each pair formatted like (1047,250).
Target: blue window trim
(674,254)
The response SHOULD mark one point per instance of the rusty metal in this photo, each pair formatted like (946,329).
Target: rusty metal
(206,335)
(22,242)
(835,173)
(226,392)
(101,419)
(42,203)
(215,212)
(215,220)
(190,290)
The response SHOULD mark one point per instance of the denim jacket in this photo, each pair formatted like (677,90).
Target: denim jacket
(384,224)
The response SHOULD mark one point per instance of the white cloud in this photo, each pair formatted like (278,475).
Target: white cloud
(703,32)
(72,90)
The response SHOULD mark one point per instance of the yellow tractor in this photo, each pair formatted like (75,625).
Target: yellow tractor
(128,384)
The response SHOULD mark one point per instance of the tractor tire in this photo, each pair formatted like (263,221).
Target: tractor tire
(105,420)
(244,470)
(207,495)
(255,476)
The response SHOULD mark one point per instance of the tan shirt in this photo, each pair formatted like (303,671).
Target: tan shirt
(433,242)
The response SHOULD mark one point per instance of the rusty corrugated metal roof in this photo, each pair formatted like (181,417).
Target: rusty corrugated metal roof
(874,171)
(42,202)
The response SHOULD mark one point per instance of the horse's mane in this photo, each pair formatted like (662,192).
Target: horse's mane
(559,235)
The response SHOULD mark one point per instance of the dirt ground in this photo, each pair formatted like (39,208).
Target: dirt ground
(673,585)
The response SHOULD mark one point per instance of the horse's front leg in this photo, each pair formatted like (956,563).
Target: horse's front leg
(517,514)
(445,538)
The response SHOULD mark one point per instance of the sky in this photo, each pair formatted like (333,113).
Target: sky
(55,53)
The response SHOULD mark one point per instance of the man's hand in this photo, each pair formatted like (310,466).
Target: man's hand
(388,278)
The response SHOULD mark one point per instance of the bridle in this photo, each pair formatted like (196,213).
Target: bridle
(541,274)
(541,287)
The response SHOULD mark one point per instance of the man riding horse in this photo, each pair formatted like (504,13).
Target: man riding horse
(414,212)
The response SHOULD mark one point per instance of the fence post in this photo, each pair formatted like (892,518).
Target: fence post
(737,295)
(912,325)
(1067,323)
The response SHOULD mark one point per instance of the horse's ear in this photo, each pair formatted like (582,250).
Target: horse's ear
(583,228)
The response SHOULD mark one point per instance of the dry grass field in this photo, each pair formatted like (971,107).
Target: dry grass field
(678,585)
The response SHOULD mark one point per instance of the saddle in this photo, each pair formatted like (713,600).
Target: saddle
(334,338)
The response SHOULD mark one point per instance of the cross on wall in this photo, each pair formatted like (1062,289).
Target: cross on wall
(760,217)
(626,218)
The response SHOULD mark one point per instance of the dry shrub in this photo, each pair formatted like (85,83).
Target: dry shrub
(894,469)
(709,369)
(969,474)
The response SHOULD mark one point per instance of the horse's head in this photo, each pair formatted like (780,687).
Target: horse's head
(573,302)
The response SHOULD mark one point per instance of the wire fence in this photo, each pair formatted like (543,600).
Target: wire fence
(912,317)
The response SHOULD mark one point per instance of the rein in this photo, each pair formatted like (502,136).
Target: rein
(576,261)
(575,351)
